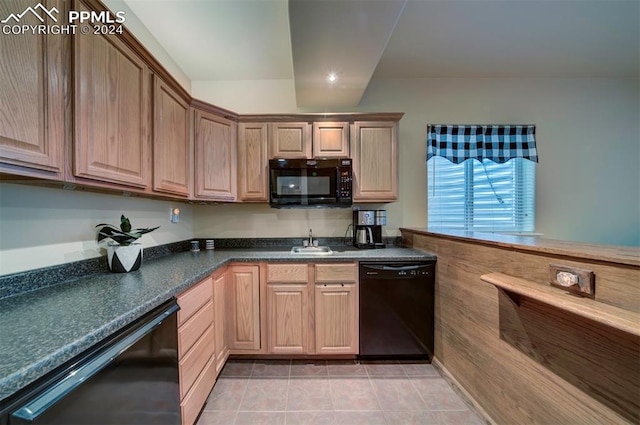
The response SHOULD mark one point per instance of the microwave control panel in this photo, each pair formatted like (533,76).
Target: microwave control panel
(345,183)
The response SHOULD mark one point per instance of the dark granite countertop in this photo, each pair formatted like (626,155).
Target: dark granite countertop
(41,330)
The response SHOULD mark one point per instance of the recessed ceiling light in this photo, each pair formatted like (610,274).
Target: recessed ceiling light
(332,77)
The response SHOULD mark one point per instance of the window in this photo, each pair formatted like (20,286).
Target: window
(485,196)
(481,176)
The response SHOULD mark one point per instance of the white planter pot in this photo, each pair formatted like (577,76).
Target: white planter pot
(124,259)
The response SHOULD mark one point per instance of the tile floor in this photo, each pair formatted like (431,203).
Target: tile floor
(301,392)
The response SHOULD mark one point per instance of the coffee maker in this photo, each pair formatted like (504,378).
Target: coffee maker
(367,228)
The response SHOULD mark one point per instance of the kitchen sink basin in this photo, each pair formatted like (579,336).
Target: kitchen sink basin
(312,250)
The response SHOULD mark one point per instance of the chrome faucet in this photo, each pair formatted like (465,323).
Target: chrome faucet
(310,237)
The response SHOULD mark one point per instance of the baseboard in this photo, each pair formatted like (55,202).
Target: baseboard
(460,390)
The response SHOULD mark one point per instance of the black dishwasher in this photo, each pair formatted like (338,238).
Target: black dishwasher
(397,309)
(130,378)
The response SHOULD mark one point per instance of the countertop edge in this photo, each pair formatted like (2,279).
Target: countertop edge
(622,255)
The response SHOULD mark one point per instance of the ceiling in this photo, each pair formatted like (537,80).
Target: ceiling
(360,40)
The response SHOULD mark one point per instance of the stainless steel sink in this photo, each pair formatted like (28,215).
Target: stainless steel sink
(312,250)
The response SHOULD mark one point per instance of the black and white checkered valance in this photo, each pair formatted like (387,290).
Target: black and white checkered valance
(499,143)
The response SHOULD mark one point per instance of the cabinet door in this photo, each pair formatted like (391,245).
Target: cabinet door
(245,307)
(32,98)
(253,177)
(171,150)
(215,157)
(112,111)
(290,140)
(330,139)
(336,315)
(374,147)
(220,319)
(288,314)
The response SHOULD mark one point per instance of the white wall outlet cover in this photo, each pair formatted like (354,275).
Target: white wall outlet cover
(572,279)
(174,215)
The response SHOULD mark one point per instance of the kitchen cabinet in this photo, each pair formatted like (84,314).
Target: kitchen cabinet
(336,309)
(215,156)
(374,149)
(253,177)
(290,140)
(112,96)
(244,307)
(196,348)
(288,309)
(171,145)
(220,302)
(331,139)
(312,308)
(32,99)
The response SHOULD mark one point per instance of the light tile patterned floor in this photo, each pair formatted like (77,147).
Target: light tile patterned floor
(306,392)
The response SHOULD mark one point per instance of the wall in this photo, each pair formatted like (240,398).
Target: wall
(587,178)
(137,28)
(41,226)
(587,134)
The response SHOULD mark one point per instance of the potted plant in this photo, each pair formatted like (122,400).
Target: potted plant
(123,253)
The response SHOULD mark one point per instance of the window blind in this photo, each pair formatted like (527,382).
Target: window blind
(485,196)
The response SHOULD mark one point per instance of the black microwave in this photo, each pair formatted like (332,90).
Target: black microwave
(295,183)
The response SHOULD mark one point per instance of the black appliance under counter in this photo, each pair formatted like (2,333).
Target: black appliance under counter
(397,309)
(128,379)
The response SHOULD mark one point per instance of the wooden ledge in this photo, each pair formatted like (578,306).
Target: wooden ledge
(615,317)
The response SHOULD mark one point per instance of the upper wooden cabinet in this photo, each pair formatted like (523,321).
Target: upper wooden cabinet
(330,139)
(32,102)
(290,140)
(171,146)
(374,149)
(111,111)
(215,157)
(253,178)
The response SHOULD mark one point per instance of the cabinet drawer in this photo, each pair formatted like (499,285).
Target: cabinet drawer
(193,328)
(193,402)
(193,299)
(287,273)
(195,360)
(336,272)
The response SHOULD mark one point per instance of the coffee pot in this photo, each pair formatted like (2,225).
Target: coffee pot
(361,236)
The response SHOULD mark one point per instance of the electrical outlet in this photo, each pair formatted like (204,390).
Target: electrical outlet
(572,279)
(174,215)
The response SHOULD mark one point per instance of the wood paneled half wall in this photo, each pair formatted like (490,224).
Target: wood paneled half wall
(527,354)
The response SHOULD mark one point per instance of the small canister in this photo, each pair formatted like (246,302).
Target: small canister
(209,244)
(381,217)
(195,246)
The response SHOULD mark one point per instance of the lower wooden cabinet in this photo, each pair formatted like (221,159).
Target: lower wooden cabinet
(196,348)
(312,308)
(336,309)
(287,316)
(220,302)
(244,314)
